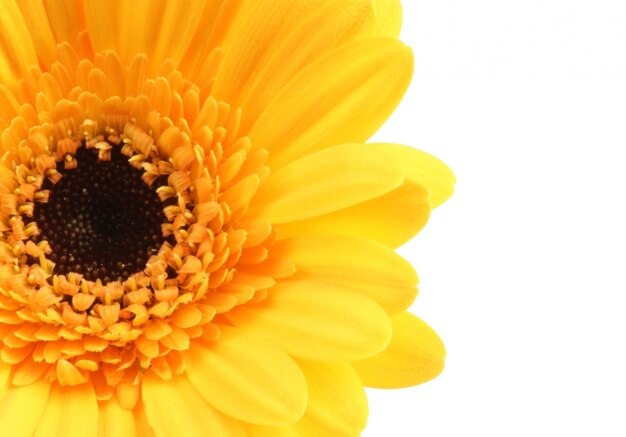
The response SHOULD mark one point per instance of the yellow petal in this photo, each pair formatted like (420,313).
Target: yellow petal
(270,431)
(103,23)
(335,23)
(193,416)
(28,371)
(175,29)
(9,105)
(66,19)
(69,374)
(256,30)
(142,426)
(36,18)
(388,17)
(17,51)
(426,170)
(337,402)
(163,32)
(415,355)
(318,321)
(21,408)
(328,180)
(364,265)
(247,378)
(216,19)
(5,379)
(115,421)
(342,97)
(391,219)
(71,411)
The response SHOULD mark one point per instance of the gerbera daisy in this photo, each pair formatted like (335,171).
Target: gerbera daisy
(194,239)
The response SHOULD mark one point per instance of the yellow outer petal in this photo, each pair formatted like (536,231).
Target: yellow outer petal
(335,23)
(66,19)
(270,431)
(142,426)
(173,407)
(337,401)
(248,379)
(104,24)
(115,421)
(342,97)
(357,263)
(391,219)
(388,17)
(415,355)
(175,30)
(71,411)
(337,404)
(423,168)
(318,321)
(21,408)
(17,51)
(326,181)
(164,31)
(5,379)
(41,33)
(256,30)
(216,19)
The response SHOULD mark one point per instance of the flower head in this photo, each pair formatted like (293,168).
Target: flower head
(193,235)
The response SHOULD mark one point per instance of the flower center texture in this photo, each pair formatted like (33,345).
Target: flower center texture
(101,219)
(122,229)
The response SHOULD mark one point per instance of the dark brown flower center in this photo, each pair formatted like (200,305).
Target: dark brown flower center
(102,220)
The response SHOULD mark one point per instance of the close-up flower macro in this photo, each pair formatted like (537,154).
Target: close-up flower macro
(195,236)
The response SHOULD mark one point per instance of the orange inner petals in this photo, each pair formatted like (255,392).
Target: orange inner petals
(66,328)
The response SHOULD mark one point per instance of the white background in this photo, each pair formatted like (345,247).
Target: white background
(523,270)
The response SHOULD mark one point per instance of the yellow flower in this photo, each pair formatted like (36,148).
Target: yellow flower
(194,239)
